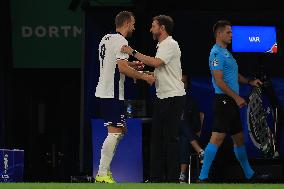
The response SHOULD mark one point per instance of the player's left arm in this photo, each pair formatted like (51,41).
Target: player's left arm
(252,82)
(137,65)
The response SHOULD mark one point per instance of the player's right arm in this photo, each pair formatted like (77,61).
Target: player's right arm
(124,65)
(124,68)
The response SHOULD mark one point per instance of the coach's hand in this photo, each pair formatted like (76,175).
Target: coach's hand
(255,82)
(240,101)
(126,49)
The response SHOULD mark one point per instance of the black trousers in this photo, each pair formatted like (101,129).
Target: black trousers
(164,160)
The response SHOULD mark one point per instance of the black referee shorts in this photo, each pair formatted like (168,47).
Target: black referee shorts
(226,115)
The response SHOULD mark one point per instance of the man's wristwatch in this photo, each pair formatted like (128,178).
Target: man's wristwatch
(134,52)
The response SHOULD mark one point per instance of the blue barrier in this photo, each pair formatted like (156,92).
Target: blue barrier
(127,164)
(11,165)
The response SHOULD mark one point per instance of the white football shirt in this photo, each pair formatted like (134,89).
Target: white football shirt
(111,81)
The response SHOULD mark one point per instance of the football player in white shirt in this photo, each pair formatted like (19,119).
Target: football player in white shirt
(170,100)
(110,88)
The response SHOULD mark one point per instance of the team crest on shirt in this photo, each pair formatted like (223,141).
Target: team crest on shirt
(214,62)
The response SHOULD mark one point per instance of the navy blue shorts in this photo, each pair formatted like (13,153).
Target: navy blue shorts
(112,111)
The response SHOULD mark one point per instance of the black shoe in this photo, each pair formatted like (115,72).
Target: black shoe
(203,181)
(259,178)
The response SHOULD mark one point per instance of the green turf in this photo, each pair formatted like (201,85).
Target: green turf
(136,186)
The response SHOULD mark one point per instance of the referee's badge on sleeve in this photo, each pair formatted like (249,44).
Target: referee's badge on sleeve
(214,62)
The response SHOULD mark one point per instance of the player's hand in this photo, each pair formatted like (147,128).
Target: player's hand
(137,65)
(240,101)
(126,49)
(150,79)
(256,83)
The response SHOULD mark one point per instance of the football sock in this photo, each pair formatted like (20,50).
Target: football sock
(107,152)
(209,156)
(241,155)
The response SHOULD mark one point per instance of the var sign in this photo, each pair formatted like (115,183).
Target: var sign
(254,39)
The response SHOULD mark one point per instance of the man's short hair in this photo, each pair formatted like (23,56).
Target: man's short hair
(167,21)
(122,17)
(220,25)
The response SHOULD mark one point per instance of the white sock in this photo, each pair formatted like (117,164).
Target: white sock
(107,152)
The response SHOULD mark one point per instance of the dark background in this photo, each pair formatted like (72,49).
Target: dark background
(40,108)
